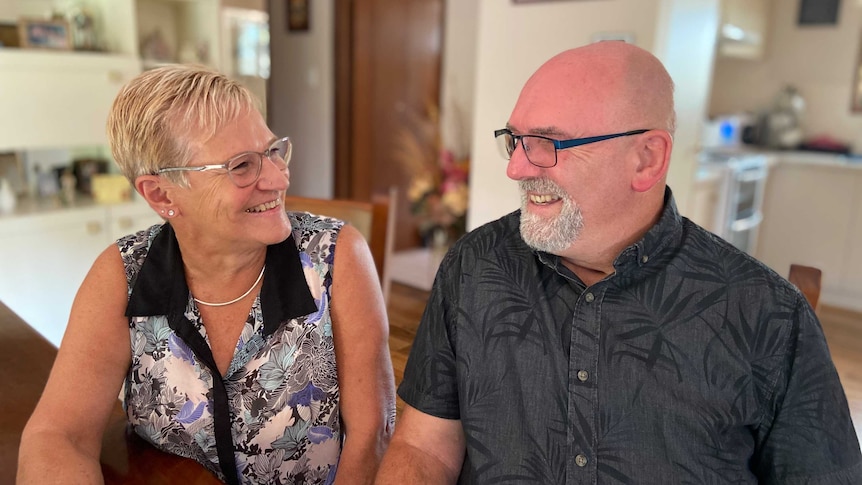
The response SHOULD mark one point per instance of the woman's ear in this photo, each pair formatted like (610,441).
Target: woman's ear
(152,190)
(653,158)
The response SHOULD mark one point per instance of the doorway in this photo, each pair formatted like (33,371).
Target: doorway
(388,58)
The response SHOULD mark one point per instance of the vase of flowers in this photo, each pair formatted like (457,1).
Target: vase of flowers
(439,177)
(438,200)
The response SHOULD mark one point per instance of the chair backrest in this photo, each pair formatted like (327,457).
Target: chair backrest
(375,220)
(808,280)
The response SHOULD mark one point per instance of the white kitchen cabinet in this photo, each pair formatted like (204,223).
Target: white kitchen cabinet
(743,29)
(58,99)
(705,200)
(45,259)
(852,280)
(128,218)
(813,216)
(46,255)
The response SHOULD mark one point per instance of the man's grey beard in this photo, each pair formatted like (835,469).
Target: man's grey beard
(549,235)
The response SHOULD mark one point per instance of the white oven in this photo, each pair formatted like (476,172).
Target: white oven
(739,213)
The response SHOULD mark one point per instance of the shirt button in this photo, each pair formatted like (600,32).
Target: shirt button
(581,461)
(583,375)
(644,258)
(589,297)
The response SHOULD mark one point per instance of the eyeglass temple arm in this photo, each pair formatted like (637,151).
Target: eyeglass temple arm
(560,145)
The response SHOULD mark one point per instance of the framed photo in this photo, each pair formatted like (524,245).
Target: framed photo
(45,34)
(819,12)
(297,15)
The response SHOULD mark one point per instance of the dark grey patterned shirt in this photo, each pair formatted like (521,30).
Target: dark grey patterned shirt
(693,363)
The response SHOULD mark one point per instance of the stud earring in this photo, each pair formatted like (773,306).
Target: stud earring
(162,211)
(171,213)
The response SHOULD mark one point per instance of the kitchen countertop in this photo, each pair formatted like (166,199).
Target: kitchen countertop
(782,156)
(27,206)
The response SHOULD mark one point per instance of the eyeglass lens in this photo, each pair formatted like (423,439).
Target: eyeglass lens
(245,168)
(539,151)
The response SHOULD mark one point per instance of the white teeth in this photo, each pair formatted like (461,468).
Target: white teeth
(265,206)
(543,199)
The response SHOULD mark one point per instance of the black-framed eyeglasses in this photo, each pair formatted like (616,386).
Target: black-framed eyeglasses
(244,168)
(540,150)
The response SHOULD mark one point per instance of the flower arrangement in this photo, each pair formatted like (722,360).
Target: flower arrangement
(438,190)
(439,198)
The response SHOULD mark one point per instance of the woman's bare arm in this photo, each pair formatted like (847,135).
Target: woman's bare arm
(62,440)
(361,332)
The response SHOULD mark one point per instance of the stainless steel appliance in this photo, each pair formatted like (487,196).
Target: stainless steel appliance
(739,212)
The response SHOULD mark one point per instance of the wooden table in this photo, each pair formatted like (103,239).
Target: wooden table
(126,459)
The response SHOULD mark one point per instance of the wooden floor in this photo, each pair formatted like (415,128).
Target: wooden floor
(843,331)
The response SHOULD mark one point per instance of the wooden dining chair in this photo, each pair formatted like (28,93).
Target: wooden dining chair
(375,220)
(808,279)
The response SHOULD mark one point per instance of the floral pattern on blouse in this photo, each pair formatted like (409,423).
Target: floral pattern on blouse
(282,388)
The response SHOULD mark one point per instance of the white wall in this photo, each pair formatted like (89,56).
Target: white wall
(302,94)
(685,43)
(514,39)
(457,75)
(818,60)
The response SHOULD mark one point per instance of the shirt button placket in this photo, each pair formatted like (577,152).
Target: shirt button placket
(583,376)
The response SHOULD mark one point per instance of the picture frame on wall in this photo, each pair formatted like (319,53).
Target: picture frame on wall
(45,34)
(298,15)
(819,12)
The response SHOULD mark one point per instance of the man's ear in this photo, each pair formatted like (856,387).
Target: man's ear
(653,159)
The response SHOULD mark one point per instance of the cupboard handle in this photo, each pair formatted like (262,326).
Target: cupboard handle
(115,76)
(125,223)
(94,228)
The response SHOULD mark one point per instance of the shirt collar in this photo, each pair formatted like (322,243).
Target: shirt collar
(160,288)
(666,234)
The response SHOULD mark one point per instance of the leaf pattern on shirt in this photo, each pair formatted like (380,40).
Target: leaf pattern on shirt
(693,363)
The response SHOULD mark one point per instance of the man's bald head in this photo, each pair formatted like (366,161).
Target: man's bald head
(607,86)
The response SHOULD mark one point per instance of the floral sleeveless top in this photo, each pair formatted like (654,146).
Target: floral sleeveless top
(274,417)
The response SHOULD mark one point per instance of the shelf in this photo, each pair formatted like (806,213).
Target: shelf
(17,58)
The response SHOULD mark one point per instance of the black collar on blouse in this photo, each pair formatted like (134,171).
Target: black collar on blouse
(161,288)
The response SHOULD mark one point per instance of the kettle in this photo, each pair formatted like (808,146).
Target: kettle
(784,120)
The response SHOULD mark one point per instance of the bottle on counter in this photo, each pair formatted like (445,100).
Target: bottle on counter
(7,197)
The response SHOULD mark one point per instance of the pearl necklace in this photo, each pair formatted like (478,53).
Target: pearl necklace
(239,297)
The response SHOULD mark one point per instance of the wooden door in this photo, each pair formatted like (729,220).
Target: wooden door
(387,75)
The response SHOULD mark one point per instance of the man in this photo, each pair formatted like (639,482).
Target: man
(597,336)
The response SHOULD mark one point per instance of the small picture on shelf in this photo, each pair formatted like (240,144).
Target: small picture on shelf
(45,34)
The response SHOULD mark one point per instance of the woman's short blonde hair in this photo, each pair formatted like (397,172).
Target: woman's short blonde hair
(160,118)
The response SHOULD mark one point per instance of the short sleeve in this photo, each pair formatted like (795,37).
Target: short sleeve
(430,383)
(807,434)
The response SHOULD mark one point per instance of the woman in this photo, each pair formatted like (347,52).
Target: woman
(247,338)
